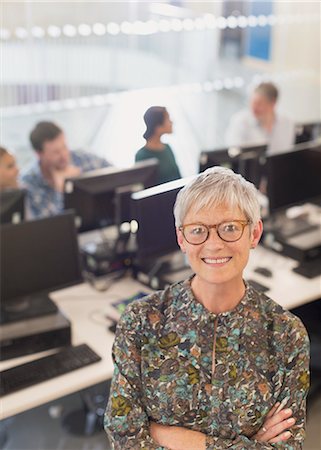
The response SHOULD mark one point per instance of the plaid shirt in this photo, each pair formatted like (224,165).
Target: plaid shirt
(42,199)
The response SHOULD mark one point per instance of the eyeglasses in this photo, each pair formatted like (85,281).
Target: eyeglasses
(198,233)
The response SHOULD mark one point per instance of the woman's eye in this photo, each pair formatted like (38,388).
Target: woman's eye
(198,230)
(229,227)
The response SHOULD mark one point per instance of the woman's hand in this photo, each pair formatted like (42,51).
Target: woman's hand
(276,425)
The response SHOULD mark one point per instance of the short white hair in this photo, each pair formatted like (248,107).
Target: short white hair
(214,187)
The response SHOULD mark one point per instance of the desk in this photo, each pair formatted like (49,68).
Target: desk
(287,288)
(85,308)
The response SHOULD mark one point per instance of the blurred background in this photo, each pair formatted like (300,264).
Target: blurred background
(95,67)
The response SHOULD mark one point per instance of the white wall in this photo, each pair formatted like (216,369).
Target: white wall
(297,45)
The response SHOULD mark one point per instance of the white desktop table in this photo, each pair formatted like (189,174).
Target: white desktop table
(86,308)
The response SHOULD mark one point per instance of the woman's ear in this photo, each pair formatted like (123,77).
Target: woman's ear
(256,233)
(180,240)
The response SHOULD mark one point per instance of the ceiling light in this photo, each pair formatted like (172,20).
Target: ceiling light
(53,31)
(21,33)
(84,29)
(69,30)
(221,23)
(99,29)
(37,32)
(113,28)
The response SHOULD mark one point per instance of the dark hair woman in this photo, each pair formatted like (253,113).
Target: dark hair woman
(158,122)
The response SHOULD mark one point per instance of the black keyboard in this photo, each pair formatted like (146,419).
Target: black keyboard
(309,269)
(42,369)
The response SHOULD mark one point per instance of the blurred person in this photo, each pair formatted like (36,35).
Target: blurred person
(44,180)
(158,123)
(262,124)
(209,362)
(8,170)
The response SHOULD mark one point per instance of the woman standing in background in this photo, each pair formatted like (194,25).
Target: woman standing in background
(158,122)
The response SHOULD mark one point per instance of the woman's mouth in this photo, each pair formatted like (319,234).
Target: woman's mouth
(217,261)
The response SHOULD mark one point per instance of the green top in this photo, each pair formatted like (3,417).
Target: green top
(168,169)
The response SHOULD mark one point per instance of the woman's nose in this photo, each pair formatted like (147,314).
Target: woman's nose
(214,239)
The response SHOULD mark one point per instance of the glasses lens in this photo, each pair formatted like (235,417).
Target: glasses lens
(195,233)
(230,231)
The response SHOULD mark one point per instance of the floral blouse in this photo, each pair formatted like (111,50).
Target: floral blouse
(178,364)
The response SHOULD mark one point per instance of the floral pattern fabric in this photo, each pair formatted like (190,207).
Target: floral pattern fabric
(178,364)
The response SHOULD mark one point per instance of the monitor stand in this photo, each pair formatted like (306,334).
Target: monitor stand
(27,307)
(160,272)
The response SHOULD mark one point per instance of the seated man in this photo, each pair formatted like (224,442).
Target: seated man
(44,180)
(262,124)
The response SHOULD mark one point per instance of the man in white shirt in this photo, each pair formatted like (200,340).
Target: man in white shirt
(262,124)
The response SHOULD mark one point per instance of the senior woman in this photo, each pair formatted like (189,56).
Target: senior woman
(210,363)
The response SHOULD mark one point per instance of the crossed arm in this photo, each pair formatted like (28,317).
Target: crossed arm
(129,426)
(274,430)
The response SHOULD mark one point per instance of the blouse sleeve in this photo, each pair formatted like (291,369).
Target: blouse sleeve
(295,376)
(126,421)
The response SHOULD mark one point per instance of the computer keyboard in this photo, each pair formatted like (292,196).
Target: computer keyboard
(42,369)
(309,269)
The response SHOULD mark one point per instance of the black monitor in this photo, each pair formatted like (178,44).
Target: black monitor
(305,132)
(102,197)
(37,257)
(12,206)
(248,160)
(294,177)
(153,211)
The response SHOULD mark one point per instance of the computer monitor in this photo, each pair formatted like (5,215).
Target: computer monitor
(12,206)
(293,177)
(306,132)
(152,209)
(248,161)
(37,257)
(101,198)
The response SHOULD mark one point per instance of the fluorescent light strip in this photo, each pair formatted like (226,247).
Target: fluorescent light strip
(138,27)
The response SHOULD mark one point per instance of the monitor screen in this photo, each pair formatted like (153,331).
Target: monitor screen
(102,197)
(294,177)
(12,205)
(248,161)
(38,256)
(153,211)
(219,157)
(306,132)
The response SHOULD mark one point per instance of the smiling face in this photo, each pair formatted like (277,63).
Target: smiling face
(216,262)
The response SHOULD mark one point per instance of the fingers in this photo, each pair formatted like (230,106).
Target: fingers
(277,418)
(275,425)
(279,428)
(282,437)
